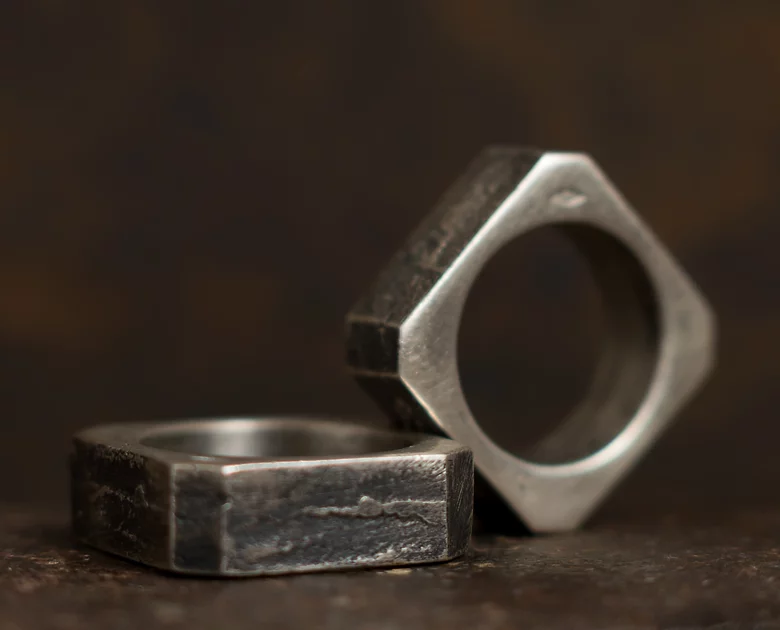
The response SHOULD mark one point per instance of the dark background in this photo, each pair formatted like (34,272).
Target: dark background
(193,194)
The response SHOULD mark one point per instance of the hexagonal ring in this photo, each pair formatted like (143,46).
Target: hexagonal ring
(265,496)
(402,336)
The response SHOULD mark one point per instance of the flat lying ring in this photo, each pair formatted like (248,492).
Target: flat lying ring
(265,496)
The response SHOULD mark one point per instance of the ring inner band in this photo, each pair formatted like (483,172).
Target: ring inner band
(278,439)
(628,359)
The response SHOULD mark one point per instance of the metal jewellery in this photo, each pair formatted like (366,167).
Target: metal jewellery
(402,336)
(242,497)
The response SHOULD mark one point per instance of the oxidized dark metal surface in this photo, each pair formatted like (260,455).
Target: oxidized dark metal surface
(669,573)
(279,504)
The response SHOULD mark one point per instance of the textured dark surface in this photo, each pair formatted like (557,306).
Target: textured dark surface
(433,246)
(716,573)
(236,516)
(373,323)
(120,500)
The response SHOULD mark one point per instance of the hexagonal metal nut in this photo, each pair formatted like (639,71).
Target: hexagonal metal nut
(402,336)
(245,497)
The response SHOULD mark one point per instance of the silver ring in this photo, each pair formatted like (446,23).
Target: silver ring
(403,334)
(263,496)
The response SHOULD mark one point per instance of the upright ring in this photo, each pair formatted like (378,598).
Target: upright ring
(402,336)
(264,496)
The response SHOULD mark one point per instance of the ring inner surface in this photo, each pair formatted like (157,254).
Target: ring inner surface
(273,441)
(627,360)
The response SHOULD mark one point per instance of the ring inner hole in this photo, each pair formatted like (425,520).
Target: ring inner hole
(274,441)
(556,356)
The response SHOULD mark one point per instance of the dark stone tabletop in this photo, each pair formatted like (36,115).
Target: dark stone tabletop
(717,573)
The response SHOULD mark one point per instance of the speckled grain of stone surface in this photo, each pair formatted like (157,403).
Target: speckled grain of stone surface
(720,573)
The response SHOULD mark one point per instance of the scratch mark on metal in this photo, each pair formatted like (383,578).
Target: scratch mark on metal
(568,199)
(371,508)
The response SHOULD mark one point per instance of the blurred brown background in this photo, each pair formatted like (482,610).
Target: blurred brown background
(193,194)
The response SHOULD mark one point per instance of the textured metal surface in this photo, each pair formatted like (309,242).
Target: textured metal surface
(653,571)
(268,496)
(403,335)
